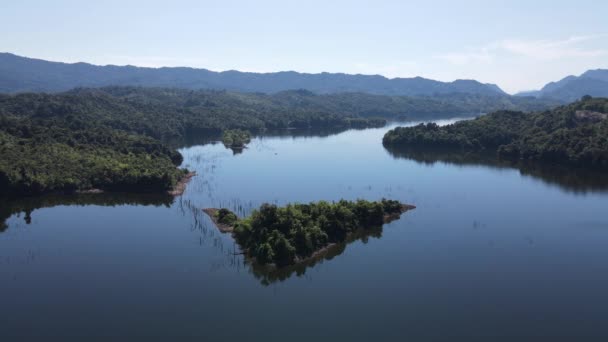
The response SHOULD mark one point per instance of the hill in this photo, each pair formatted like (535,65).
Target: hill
(568,89)
(576,135)
(21,74)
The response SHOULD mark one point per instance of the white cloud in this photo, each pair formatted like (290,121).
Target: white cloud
(571,47)
(544,50)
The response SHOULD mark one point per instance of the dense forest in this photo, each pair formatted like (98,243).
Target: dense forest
(169,113)
(575,134)
(173,113)
(286,235)
(116,138)
(68,154)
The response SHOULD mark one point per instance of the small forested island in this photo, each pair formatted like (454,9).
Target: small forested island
(236,138)
(284,236)
(575,134)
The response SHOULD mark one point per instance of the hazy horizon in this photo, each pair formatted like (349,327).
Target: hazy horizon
(518,46)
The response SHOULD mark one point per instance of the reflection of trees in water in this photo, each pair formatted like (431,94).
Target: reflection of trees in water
(214,137)
(268,275)
(27,205)
(306,132)
(232,255)
(575,180)
(209,235)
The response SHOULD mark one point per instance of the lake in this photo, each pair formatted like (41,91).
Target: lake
(492,252)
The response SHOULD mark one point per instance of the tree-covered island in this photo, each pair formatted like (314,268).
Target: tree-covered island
(291,234)
(236,138)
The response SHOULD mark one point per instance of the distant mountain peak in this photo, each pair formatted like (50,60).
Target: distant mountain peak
(598,74)
(571,88)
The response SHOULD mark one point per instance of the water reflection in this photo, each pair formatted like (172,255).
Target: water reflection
(466,258)
(212,138)
(268,275)
(306,132)
(234,257)
(28,205)
(570,179)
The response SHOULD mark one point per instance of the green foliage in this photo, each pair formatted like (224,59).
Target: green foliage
(114,138)
(43,155)
(173,113)
(225,216)
(236,138)
(576,134)
(287,234)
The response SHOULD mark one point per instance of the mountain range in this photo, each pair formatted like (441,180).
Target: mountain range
(22,74)
(571,88)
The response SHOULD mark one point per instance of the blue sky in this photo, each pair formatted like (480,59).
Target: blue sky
(518,45)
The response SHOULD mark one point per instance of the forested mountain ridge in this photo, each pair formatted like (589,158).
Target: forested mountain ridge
(168,113)
(575,134)
(21,74)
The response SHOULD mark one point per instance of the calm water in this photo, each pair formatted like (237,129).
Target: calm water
(490,251)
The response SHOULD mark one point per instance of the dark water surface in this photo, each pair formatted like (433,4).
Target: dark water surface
(491,251)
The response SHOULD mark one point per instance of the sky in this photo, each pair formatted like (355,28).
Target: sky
(518,45)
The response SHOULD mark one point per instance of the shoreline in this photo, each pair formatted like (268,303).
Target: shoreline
(178,189)
(223,228)
(180,186)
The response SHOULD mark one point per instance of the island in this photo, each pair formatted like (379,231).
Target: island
(283,236)
(574,135)
(236,139)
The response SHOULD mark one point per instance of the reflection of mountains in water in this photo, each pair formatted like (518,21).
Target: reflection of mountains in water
(576,180)
(27,205)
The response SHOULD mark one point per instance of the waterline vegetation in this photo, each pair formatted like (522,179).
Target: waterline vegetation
(574,135)
(123,138)
(283,236)
(236,139)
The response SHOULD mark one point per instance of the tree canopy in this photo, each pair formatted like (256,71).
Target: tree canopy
(117,138)
(575,134)
(285,235)
(236,138)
